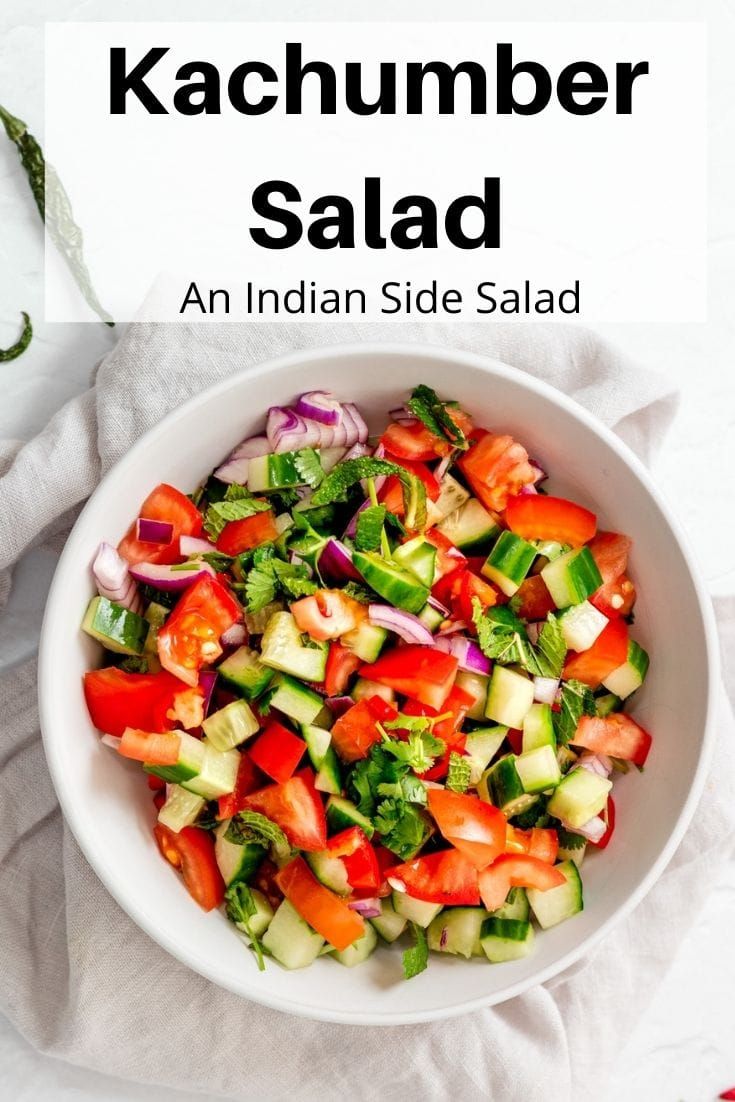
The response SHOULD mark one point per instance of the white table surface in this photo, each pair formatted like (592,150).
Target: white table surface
(684,1046)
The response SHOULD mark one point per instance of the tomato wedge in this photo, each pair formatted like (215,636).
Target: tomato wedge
(192,852)
(449,558)
(457,705)
(355,731)
(467,588)
(411,441)
(610,551)
(533,599)
(541,842)
(608,651)
(248,780)
(189,639)
(617,735)
(391,495)
(323,910)
(168,504)
(341,664)
(615,598)
(512,870)
(496,468)
(421,673)
(541,517)
(277,752)
(154,749)
(242,535)
(327,614)
(447,877)
(475,828)
(117,699)
(353,848)
(296,808)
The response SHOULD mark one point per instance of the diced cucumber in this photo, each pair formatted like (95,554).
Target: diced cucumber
(342,814)
(572,577)
(451,498)
(256,622)
(117,628)
(576,853)
(290,940)
(323,758)
(431,617)
(415,910)
(457,930)
(180,809)
(296,700)
(549,549)
(282,648)
(471,528)
(360,950)
(502,787)
(259,922)
(192,753)
(538,769)
(245,673)
(566,757)
(605,705)
(418,556)
(330,457)
(156,614)
(398,586)
(476,684)
(580,795)
(557,904)
(538,727)
(516,906)
(231,725)
(505,939)
(481,746)
(389,924)
(509,697)
(509,562)
(329,777)
(217,775)
(366,640)
(279,472)
(235,862)
(630,676)
(581,625)
(329,871)
(364,689)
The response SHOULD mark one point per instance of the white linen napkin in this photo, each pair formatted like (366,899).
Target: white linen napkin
(83,983)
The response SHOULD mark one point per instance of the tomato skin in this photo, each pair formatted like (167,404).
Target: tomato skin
(353,847)
(512,870)
(391,494)
(155,749)
(341,664)
(458,703)
(189,639)
(447,877)
(470,586)
(248,780)
(475,828)
(421,673)
(540,842)
(449,558)
(496,468)
(616,598)
(617,735)
(192,852)
(541,517)
(533,599)
(608,651)
(242,535)
(610,551)
(277,752)
(117,699)
(327,614)
(323,910)
(168,504)
(412,441)
(296,808)
(610,820)
(355,731)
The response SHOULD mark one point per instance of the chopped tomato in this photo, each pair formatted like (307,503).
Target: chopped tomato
(475,828)
(248,780)
(422,673)
(512,870)
(341,664)
(496,468)
(412,441)
(117,699)
(323,910)
(608,651)
(610,551)
(358,857)
(615,598)
(189,639)
(154,749)
(355,731)
(454,709)
(515,740)
(533,599)
(327,614)
(447,877)
(391,494)
(296,808)
(265,881)
(468,587)
(167,504)
(386,860)
(540,517)
(242,535)
(156,784)
(448,557)
(616,735)
(277,752)
(541,842)
(609,817)
(192,852)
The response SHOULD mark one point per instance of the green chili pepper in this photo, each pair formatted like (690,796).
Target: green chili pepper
(21,344)
(54,207)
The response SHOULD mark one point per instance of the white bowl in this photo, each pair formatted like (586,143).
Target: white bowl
(109,808)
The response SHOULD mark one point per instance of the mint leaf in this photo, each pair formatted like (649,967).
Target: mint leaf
(222,512)
(370,528)
(436,416)
(416,959)
(551,650)
(577,699)
(240,908)
(251,826)
(501,635)
(346,474)
(310,469)
(458,776)
(272,576)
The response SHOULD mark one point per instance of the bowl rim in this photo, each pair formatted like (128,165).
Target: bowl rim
(162,936)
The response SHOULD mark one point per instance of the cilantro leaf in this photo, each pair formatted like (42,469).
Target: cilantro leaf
(350,471)
(370,528)
(458,776)
(412,724)
(436,416)
(569,840)
(240,908)
(577,699)
(378,768)
(403,826)
(310,469)
(418,752)
(416,959)
(238,508)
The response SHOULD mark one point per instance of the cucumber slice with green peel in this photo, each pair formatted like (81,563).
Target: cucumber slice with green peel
(509,697)
(400,587)
(431,617)
(505,788)
(366,640)
(117,628)
(360,950)
(230,726)
(566,758)
(509,562)
(581,625)
(323,758)
(181,808)
(630,676)
(156,614)
(245,673)
(342,814)
(470,528)
(607,704)
(296,700)
(572,578)
(557,904)
(579,796)
(283,648)
(290,940)
(481,746)
(505,939)
(259,922)
(418,556)
(364,689)
(516,906)
(329,871)
(415,910)
(217,775)
(452,496)
(538,769)
(476,684)
(550,549)
(329,777)
(192,753)
(235,862)
(279,472)
(457,930)
(538,728)
(389,924)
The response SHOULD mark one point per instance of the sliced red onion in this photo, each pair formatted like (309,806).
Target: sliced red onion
(320,405)
(207,681)
(438,606)
(154,531)
(540,474)
(396,884)
(443,467)
(595,763)
(358,451)
(402,416)
(592,830)
(407,626)
(193,545)
(351,411)
(452,627)
(176,577)
(235,636)
(466,651)
(335,563)
(528,488)
(113,578)
(545,689)
(368,908)
(340,704)
(287,431)
(235,467)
